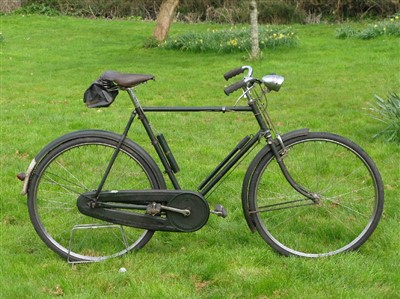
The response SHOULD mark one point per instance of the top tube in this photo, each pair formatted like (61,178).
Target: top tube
(222,109)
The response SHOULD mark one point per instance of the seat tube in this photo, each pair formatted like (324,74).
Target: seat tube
(153,139)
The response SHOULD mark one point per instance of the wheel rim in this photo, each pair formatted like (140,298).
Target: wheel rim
(77,169)
(348,210)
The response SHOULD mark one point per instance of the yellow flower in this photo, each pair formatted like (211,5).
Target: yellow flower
(233,42)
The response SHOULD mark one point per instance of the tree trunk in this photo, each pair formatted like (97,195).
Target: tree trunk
(9,5)
(164,19)
(255,46)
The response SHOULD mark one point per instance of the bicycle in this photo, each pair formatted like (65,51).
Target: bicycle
(96,194)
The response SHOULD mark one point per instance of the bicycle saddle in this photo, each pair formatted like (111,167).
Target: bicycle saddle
(125,80)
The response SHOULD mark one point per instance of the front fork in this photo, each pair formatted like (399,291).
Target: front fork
(265,123)
(280,155)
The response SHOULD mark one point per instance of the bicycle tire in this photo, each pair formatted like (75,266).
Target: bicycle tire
(346,181)
(76,166)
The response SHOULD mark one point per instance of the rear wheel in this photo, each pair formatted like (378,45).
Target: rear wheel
(76,167)
(348,191)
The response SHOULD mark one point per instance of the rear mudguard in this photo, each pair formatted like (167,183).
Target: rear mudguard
(250,170)
(90,133)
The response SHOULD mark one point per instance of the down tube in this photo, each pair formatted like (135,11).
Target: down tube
(221,170)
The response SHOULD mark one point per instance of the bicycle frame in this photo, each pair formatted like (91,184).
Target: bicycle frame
(237,153)
(240,150)
(344,182)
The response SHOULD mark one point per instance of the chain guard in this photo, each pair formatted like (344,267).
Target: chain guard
(199,212)
(119,207)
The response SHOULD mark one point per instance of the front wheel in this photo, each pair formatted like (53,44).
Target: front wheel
(76,166)
(347,189)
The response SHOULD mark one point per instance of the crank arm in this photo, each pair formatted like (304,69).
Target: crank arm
(185,212)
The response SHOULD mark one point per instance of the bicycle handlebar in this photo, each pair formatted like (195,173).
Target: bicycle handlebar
(237,71)
(234,72)
(235,86)
(239,84)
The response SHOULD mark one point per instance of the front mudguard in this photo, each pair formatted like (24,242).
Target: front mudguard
(250,171)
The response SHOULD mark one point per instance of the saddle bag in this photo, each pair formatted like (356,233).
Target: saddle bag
(101,93)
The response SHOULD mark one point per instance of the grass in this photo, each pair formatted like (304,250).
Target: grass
(46,65)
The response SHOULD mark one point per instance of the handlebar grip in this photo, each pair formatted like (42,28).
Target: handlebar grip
(234,72)
(235,86)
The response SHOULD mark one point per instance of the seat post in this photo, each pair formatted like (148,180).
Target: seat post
(133,97)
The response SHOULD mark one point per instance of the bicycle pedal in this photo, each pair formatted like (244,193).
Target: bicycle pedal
(220,211)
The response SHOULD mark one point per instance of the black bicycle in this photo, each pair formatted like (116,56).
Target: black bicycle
(96,194)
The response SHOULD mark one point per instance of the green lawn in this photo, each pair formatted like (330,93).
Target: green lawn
(46,65)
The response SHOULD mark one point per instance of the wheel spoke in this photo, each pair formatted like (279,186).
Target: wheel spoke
(67,187)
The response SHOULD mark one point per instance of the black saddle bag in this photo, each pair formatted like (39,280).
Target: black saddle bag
(101,93)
